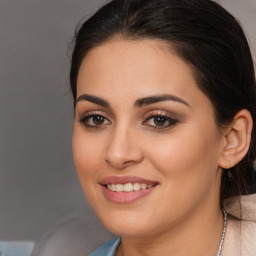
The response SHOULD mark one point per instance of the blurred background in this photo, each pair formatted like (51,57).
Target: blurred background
(39,188)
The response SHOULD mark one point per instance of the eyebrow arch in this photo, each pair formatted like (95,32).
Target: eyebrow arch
(158,98)
(93,99)
(138,103)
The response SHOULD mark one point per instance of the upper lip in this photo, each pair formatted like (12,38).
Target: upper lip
(125,179)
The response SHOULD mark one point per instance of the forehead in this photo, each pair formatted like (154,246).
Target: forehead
(133,63)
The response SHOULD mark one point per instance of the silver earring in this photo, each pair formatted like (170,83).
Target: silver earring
(229,174)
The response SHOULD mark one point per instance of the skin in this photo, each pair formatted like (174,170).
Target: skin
(182,215)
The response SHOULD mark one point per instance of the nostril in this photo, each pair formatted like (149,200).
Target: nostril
(118,162)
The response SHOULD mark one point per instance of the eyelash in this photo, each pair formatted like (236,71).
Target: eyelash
(84,120)
(166,118)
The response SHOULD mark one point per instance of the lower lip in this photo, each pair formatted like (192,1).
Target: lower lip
(126,197)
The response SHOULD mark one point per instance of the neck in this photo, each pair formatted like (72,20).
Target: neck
(199,234)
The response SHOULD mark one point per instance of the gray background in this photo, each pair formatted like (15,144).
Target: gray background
(38,183)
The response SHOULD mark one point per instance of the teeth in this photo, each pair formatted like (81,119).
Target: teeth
(112,187)
(128,187)
(143,186)
(119,187)
(136,187)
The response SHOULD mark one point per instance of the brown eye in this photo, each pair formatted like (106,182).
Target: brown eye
(160,121)
(94,121)
(98,120)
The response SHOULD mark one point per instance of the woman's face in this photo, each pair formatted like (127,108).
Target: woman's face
(145,143)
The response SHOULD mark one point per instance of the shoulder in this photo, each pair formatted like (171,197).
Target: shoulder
(241,226)
(107,249)
(242,207)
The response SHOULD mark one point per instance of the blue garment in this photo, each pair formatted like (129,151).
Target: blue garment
(107,249)
(15,248)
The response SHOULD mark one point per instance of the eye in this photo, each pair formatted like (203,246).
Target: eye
(94,121)
(160,121)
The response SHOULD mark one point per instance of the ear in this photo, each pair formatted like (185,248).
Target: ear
(237,138)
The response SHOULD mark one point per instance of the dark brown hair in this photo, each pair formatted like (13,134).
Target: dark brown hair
(205,36)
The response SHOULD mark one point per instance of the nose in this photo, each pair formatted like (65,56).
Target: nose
(123,149)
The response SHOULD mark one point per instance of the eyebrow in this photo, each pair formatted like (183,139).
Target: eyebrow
(138,103)
(158,98)
(93,99)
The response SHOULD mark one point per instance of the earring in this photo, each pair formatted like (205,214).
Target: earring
(229,174)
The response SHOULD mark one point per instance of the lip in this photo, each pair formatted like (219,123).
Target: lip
(125,197)
(125,179)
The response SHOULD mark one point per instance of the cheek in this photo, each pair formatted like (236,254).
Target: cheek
(187,156)
(86,154)
(88,160)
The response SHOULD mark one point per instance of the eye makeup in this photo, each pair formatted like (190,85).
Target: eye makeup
(94,120)
(160,121)
(157,119)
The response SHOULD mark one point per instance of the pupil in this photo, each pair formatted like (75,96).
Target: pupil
(98,119)
(159,121)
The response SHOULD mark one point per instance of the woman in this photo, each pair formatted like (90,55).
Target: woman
(164,142)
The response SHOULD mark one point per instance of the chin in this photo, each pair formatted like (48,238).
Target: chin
(127,230)
(127,224)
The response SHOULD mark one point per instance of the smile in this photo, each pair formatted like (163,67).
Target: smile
(126,189)
(129,187)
